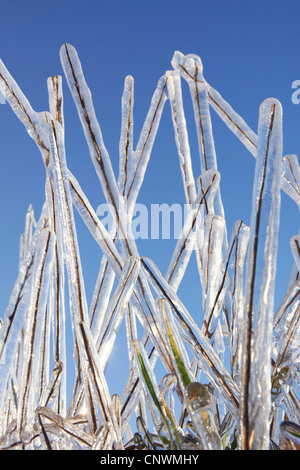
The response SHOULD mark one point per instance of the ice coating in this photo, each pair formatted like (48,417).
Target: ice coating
(33,121)
(225,375)
(15,312)
(191,231)
(181,134)
(212,268)
(55,94)
(290,179)
(98,152)
(116,309)
(190,68)
(204,353)
(126,137)
(291,431)
(145,142)
(260,272)
(97,229)
(199,404)
(238,245)
(26,237)
(197,395)
(295,248)
(238,126)
(33,330)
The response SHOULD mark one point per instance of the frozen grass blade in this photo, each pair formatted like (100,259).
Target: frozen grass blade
(191,68)
(259,292)
(193,226)
(98,152)
(244,357)
(163,420)
(290,180)
(145,143)
(180,365)
(74,433)
(210,362)
(291,431)
(116,309)
(32,334)
(181,135)
(95,226)
(235,123)
(126,138)
(54,85)
(198,399)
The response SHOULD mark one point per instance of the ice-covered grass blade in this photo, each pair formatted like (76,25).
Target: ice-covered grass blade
(260,275)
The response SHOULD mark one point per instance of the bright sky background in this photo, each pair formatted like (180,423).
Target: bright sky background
(250,51)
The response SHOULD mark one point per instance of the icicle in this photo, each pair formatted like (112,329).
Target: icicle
(219,341)
(130,397)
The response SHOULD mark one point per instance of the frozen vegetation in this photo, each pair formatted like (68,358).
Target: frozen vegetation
(231,379)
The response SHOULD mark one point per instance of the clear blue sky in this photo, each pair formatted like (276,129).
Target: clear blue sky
(250,51)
